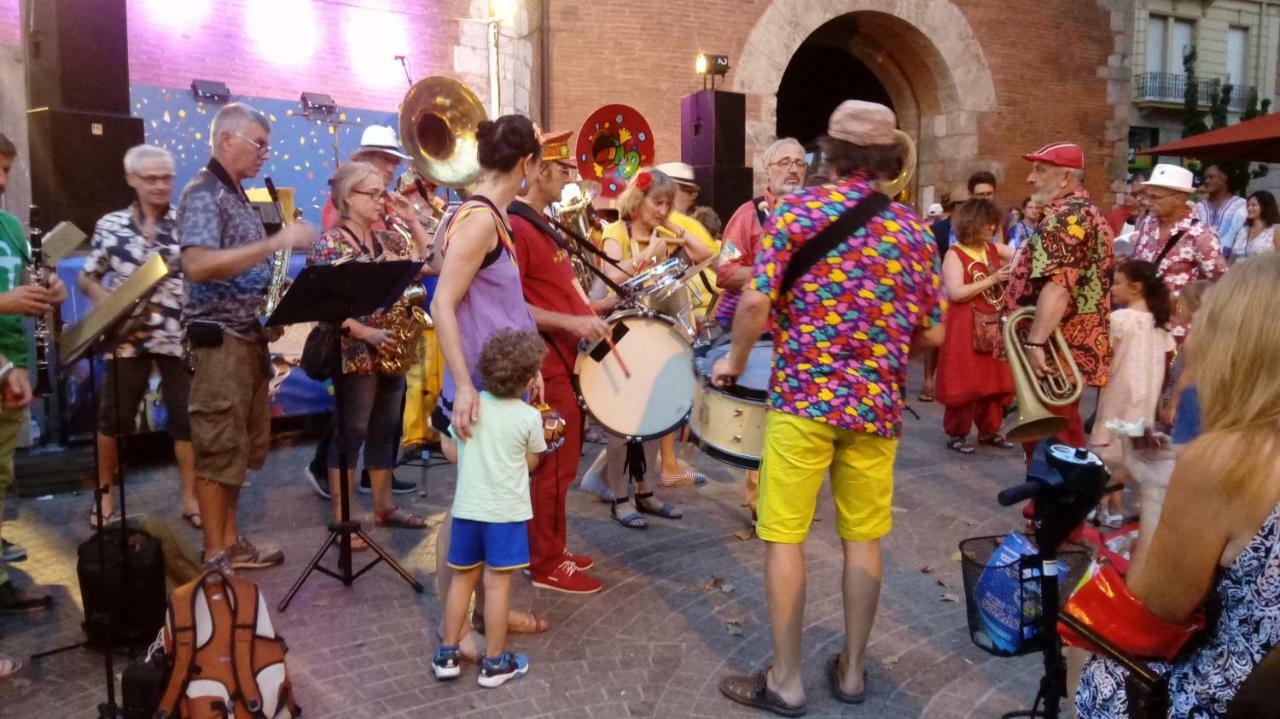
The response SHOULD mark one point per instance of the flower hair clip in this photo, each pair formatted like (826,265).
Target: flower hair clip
(644,181)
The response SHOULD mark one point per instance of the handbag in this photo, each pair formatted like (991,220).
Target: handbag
(986,328)
(322,351)
(1105,605)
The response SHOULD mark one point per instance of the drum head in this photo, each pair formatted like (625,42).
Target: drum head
(753,384)
(657,396)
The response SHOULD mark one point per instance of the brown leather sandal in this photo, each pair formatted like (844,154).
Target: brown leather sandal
(518,622)
(399,518)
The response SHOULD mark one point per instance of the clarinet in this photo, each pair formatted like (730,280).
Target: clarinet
(43,334)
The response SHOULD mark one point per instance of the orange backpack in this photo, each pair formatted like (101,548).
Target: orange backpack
(227,660)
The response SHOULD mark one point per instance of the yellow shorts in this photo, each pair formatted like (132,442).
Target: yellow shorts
(797,454)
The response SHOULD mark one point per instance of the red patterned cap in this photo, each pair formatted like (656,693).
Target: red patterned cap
(1061,154)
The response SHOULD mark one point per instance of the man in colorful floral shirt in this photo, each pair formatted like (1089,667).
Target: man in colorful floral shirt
(1184,247)
(842,335)
(1064,270)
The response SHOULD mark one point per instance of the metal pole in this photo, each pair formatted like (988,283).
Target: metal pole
(495,88)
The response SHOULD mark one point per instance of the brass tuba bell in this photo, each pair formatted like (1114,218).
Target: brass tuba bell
(438,121)
(1062,385)
(896,185)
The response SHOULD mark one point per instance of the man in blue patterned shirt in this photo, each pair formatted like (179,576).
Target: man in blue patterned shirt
(226,259)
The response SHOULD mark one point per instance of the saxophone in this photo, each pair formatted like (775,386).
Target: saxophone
(279,261)
(407,320)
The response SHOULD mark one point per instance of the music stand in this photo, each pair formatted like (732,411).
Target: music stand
(333,293)
(103,324)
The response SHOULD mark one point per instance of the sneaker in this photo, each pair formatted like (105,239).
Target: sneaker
(246,556)
(11,552)
(317,474)
(397,486)
(22,601)
(496,672)
(581,561)
(447,663)
(219,562)
(566,577)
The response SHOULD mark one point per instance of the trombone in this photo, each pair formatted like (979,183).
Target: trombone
(1062,384)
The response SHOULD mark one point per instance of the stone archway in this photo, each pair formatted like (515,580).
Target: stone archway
(923,52)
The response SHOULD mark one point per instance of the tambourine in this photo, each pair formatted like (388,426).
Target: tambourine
(552,427)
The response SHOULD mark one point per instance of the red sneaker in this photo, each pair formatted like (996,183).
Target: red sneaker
(581,561)
(566,577)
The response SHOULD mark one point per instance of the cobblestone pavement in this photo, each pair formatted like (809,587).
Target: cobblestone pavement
(653,643)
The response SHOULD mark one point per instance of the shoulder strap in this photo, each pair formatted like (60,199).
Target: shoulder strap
(182,610)
(245,596)
(1173,240)
(831,236)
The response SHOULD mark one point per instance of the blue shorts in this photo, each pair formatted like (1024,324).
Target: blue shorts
(498,545)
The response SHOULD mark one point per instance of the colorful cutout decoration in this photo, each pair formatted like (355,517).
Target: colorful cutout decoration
(613,144)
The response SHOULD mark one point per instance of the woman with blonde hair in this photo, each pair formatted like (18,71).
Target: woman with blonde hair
(1218,541)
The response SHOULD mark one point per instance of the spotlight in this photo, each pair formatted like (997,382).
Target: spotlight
(318,102)
(210,91)
(710,66)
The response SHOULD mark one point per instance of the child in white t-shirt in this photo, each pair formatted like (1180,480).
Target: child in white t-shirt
(491,504)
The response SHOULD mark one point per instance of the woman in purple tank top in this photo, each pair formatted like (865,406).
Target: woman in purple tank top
(478,294)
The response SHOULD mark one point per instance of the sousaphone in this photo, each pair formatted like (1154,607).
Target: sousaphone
(896,185)
(438,121)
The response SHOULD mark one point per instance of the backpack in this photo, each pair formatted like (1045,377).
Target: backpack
(226,659)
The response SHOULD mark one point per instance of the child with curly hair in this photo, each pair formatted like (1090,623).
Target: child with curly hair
(491,504)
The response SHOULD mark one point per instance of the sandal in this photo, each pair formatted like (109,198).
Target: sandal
(997,441)
(958,444)
(193,518)
(633,520)
(664,510)
(94,524)
(399,518)
(682,479)
(9,666)
(833,678)
(755,692)
(925,397)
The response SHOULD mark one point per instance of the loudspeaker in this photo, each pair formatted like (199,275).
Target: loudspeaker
(713,127)
(76,170)
(77,54)
(723,188)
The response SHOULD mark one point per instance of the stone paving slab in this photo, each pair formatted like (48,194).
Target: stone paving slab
(653,643)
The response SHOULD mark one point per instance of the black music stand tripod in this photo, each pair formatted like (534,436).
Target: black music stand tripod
(332,293)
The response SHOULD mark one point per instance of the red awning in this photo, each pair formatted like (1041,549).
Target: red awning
(1257,140)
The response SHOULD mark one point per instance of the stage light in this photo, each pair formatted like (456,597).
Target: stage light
(504,10)
(318,102)
(375,63)
(178,15)
(210,91)
(284,32)
(708,64)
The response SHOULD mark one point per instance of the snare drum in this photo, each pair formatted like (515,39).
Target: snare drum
(652,402)
(656,283)
(728,423)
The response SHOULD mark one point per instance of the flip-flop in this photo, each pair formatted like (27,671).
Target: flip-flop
(833,678)
(9,666)
(666,511)
(193,518)
(94,524)
(925,397)
(755,692)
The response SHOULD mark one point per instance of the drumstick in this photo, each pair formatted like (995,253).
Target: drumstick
(613,349)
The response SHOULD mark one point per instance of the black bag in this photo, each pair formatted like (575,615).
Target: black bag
(322,352)
(132,598)
(143,682)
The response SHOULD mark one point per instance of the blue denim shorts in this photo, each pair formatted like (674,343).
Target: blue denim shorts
(497,545)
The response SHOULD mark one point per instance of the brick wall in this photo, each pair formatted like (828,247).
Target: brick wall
(279,48)
(1048,70)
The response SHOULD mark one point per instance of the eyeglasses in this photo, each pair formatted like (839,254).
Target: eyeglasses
(262,147)
(156,179)
(374,195)
(798,164)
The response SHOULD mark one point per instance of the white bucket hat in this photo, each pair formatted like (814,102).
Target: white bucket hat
(382,139)
(679,171)
(1171,177)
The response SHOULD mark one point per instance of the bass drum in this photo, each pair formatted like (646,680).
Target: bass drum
(728,423)
(654,393)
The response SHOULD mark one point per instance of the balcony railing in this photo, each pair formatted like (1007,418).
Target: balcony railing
(1167,88)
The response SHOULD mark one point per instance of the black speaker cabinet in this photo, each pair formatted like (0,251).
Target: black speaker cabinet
(77,54)
(76,164)
(713,128)
(723,188)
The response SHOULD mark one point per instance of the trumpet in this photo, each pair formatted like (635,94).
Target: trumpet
(993,294)
(1062,384)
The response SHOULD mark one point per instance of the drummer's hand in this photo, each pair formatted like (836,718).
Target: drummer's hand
(724,373)
(466,411)
(606,303)
(589,327)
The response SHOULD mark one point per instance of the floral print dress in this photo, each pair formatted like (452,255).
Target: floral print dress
(1246,602)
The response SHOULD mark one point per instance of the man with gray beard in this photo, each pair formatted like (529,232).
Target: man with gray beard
(784,170)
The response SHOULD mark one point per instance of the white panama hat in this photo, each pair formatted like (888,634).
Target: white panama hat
(1171,177)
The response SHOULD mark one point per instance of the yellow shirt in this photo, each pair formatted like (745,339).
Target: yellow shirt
(617,231)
